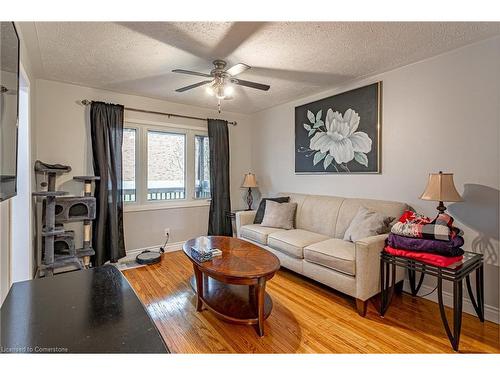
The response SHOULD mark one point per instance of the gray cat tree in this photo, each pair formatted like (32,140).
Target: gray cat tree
(57,250)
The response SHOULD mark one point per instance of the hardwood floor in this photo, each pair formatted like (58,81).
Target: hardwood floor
(307,318)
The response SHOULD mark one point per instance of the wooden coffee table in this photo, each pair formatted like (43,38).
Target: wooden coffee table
(233,285)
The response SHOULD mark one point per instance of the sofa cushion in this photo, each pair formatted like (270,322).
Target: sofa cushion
(350,208)
(257,233)
(259,215)
(279,215)
(292,242)
(333,253)
(367,223)
(318,214)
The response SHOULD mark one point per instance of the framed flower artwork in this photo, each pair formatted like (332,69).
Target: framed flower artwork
(340,134)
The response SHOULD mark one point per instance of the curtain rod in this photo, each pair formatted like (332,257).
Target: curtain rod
(88,102)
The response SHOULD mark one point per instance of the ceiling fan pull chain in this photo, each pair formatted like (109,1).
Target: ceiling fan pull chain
(218,105)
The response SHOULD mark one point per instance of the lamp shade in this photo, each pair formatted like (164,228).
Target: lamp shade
(441,188)
(249,181)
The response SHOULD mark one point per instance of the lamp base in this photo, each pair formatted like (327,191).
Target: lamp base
(441,208)
(249,199)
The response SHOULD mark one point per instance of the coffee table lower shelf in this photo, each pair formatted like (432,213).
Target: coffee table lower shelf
(232,303)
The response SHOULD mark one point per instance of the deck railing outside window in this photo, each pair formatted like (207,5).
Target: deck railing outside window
(166,194)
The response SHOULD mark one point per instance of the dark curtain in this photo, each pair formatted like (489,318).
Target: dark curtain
(106,123)
(218,140)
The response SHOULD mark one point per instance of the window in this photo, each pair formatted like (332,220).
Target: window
(201,167)
(128,164)
(164,166)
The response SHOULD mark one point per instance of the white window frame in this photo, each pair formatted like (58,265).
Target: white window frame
(141,165)
(136,158)
(201,134)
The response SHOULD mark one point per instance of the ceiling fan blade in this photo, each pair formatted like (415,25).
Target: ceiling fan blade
(253,85)
(182,89)
(237,69)
(190,72)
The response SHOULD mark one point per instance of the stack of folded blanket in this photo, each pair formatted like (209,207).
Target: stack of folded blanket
(435,242)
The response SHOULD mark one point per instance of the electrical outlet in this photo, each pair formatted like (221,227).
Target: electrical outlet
(167,232)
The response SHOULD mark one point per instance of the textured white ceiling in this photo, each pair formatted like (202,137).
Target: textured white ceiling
(296,58)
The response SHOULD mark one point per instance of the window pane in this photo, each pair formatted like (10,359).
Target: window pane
(166,165)
(128,160)
(202,167)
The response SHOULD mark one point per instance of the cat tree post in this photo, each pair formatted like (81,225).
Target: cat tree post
(87,224)
(51,181)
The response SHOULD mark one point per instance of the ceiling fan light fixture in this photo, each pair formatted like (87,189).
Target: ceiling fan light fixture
(210,90)
(222,83)
(220,92)
(228,90)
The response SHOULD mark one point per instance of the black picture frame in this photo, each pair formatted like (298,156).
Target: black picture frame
(340,134)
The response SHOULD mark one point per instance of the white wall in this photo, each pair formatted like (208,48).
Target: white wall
(438,114)
(62,136)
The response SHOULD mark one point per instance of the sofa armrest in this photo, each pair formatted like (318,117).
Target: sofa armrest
(368,265)
(244,218)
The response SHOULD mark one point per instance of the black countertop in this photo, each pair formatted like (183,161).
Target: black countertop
(88,311)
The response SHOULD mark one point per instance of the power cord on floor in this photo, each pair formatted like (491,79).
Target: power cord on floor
(162,249)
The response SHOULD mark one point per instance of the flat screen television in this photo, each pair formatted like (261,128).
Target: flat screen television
(9,101)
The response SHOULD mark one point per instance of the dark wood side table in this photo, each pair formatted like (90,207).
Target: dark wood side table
(454,273)
(231,215)
(87,311)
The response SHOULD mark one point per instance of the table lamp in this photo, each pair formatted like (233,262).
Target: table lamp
(440,188)
(249,182)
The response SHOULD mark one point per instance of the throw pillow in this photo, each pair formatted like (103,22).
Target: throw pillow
(262,207)
(279,215)
(367,223)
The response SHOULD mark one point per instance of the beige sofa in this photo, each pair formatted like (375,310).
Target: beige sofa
(316,249)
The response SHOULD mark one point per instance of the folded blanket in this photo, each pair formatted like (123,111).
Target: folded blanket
(445,248)
(434,259)
(411,224)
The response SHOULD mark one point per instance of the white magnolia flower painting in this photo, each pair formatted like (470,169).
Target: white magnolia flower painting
(333,140)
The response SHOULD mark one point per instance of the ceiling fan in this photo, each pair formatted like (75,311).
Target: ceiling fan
(221,80)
